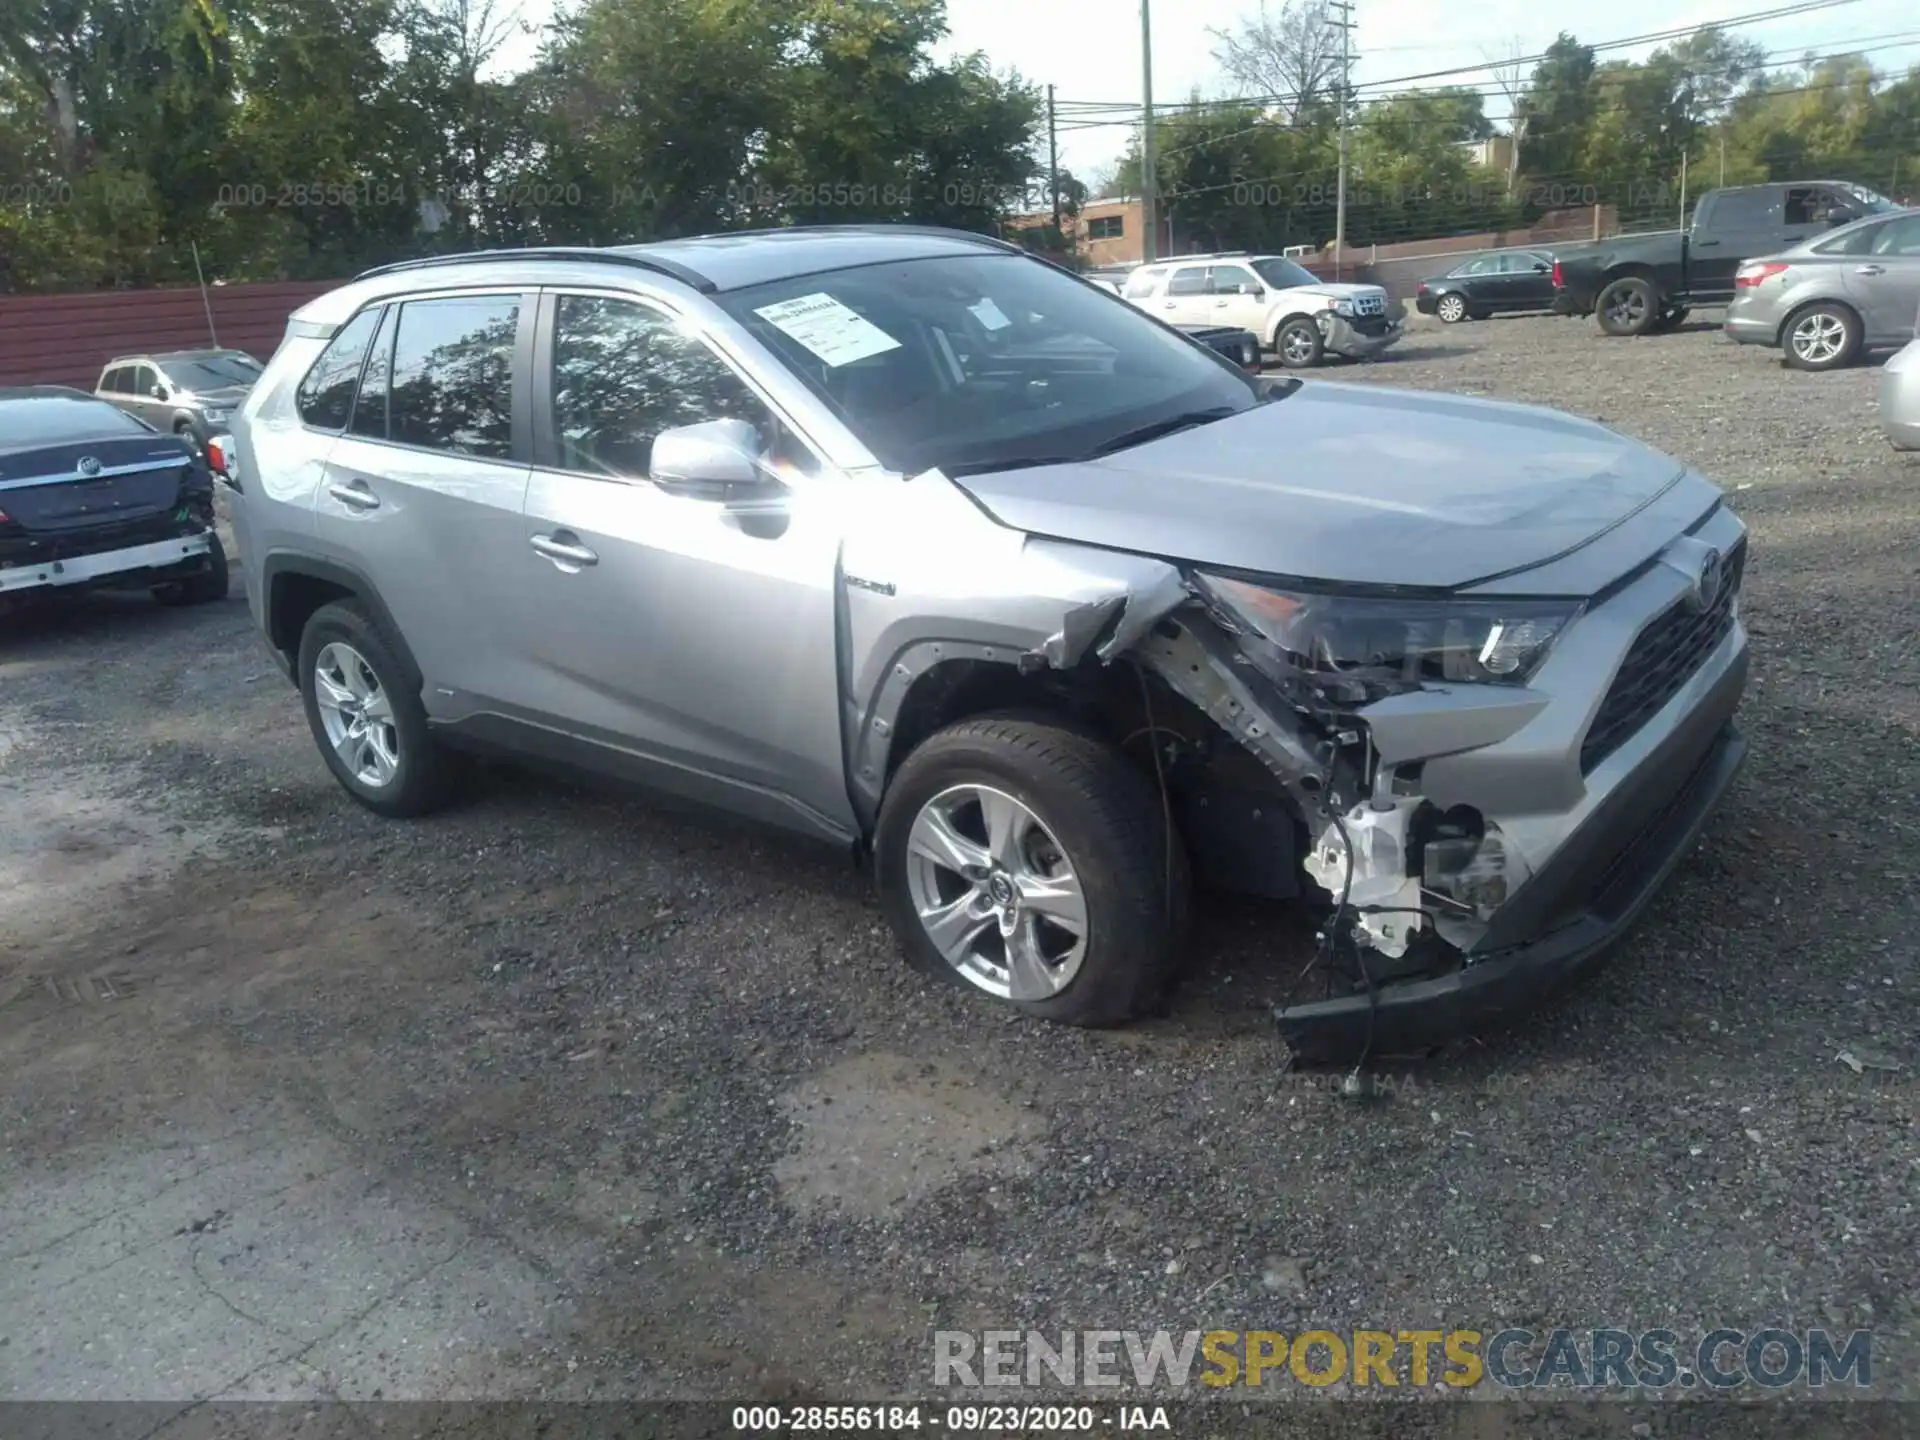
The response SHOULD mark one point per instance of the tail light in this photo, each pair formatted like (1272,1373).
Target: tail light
(1558,283)
(1422,288)
(216,457)
(1748,276)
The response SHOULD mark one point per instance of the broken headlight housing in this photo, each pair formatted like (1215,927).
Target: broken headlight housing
(1357,649)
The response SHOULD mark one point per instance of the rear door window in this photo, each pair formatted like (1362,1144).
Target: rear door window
(145,377)
(1741,210)
(1899,238)
(1227,279)
(1192,280)
(452,386)
(325,397)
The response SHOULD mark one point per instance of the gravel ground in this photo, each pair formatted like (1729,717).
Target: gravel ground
(561,1095)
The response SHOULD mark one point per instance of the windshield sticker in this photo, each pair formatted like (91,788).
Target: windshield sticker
(989,314)
(828,328)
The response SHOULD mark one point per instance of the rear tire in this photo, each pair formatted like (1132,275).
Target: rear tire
(209,585)
(1628,306)
(1081,830)
(349,671)
(1452,309)
(1299,344)
(1822,337)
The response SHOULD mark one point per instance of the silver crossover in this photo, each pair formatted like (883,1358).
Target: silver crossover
(906,541)
(1826,302)
(1900,395)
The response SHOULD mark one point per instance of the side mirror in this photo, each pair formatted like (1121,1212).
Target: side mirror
(1252,287)
(159,391)
(714,460)
(1839,215)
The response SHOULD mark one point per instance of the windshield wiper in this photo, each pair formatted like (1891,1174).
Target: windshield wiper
(1185,420)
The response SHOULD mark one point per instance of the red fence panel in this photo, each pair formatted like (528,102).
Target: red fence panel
(66,339)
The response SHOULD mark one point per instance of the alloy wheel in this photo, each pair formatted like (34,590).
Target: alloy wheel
(1296,347)
(1452,309)
(996,893)
(1627,308)
(357,715)
(1819,339)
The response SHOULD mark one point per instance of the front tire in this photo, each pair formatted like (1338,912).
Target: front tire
(209,585)
(1030,861)
(1452,309)
(1628,307)
(1822,337)
(1299,344)
(367,718)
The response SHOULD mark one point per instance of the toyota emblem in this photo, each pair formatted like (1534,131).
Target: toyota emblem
(88,466)
(1713,576)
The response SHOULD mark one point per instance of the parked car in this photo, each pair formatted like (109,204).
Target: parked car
(1240,346)
(1828,301)
(1299,316)
(1643,284)
(904,540)
(1111,277)
(90,496)
(189,392)
(1486,285)
(1900,394)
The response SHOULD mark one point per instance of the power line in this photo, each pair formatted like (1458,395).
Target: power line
(1628,42)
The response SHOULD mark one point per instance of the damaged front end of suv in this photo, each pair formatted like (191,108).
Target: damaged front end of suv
(1483,810)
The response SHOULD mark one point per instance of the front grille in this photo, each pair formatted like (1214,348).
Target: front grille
(1664,655)
(1369,304)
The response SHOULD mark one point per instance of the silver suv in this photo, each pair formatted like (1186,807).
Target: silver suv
(190,392)
(909,542)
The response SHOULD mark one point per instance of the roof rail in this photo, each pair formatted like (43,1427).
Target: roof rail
(575,253)
(884,227)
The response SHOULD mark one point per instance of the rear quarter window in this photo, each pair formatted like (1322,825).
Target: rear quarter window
(325,396)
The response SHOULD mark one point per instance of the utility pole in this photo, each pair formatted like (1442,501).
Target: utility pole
(1151,220)
(1683,189)
(1053,166)
(1345,24)
(1723,159)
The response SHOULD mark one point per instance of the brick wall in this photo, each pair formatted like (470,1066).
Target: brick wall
(65,339)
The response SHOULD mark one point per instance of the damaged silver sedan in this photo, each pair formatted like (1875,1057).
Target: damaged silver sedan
(908,541)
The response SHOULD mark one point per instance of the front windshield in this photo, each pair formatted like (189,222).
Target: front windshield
(213,372)
(975,362)
(1284,274)
(1871,202)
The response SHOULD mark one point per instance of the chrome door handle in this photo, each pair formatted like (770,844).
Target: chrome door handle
(357,497)
(1869,269)
(561,552)
(1219,304)
(1167,305)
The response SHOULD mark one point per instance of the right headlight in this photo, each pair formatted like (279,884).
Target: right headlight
(1358,649)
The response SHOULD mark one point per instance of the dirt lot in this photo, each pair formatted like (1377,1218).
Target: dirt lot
(561,1095)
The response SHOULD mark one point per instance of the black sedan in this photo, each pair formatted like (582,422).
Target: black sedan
(1505,283)
(91,496)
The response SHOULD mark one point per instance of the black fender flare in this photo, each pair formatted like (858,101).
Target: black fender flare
(280,563)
